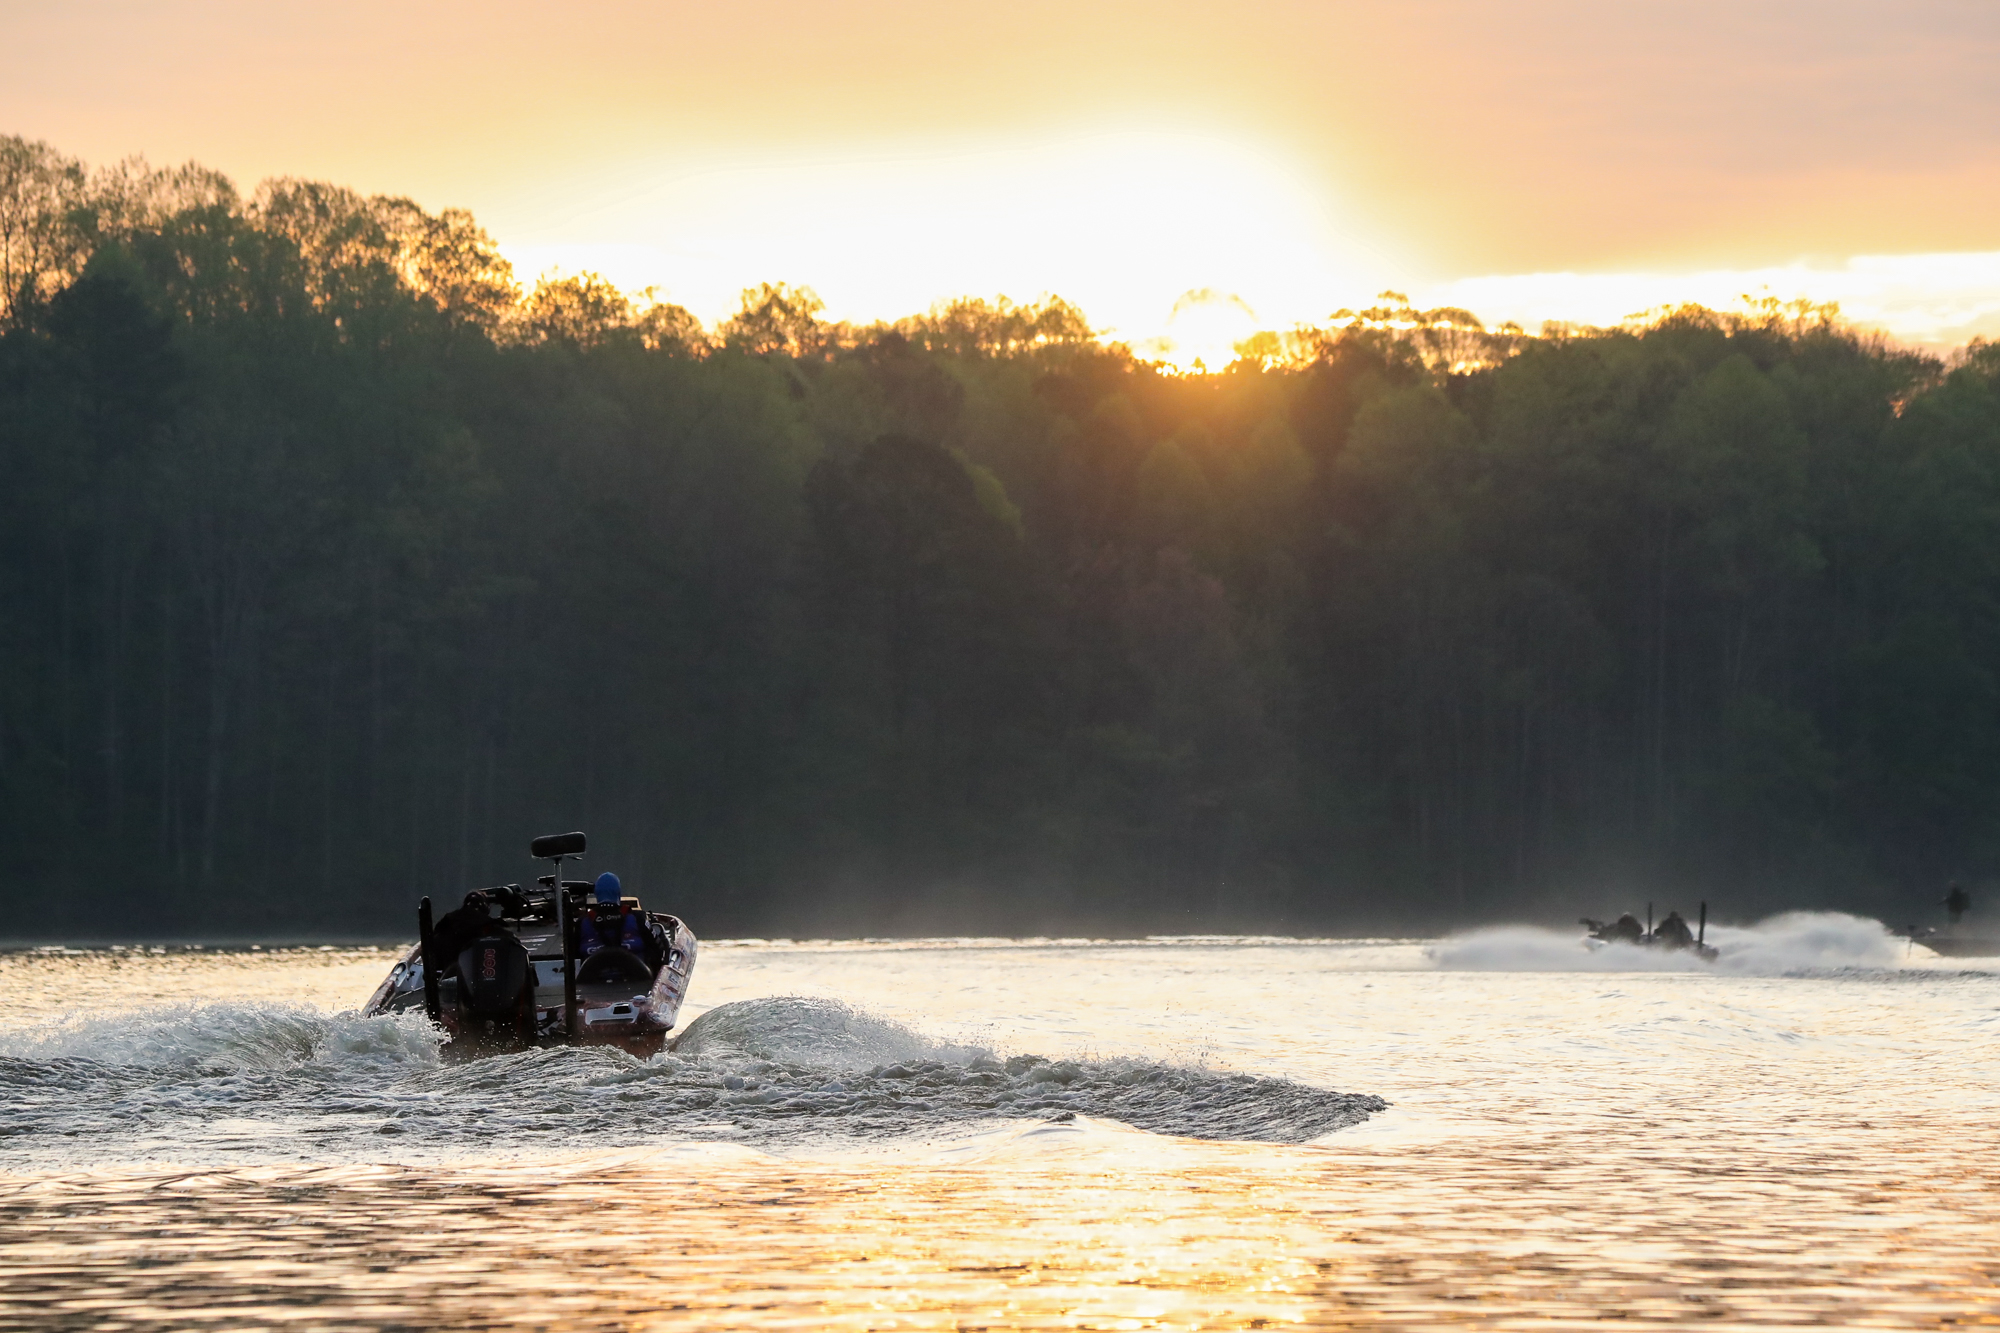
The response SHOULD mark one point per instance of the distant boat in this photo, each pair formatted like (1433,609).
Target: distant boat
(1671,935)
(1957,939)
(1954,942)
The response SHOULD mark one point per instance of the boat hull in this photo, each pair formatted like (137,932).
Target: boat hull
(1961,946)
(608,1014)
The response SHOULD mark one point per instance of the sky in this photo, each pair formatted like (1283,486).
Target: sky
(1542,159)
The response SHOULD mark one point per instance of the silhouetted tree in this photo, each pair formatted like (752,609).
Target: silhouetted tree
(331,565)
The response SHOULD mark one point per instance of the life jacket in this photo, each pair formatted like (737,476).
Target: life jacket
(631,932)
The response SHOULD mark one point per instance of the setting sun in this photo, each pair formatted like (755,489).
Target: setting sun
(1122,223)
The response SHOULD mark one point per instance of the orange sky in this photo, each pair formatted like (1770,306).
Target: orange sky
(1292,153)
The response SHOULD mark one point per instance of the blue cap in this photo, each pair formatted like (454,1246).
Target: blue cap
(607,887)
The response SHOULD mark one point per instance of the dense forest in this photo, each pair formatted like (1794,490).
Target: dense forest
(337,564)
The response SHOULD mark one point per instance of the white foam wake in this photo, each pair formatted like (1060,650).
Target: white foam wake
(247,1083)
(809,1031)
(243,1037)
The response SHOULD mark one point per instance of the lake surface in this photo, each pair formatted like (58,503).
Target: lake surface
(1500,1130)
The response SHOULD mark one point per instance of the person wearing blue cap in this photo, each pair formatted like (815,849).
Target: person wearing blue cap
(612,920)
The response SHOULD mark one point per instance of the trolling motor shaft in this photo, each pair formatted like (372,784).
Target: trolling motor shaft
(425,929)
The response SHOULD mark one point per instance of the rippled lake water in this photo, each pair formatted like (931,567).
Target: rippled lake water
(1500,1130)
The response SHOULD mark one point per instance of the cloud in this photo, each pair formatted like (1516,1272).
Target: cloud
(1937,301)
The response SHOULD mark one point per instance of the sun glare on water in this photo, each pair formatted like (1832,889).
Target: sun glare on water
(1180,244)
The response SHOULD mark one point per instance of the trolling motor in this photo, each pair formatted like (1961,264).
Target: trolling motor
(558,847)
(428,951)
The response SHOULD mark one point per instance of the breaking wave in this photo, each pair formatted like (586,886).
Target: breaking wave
(811,1032)
(1785,945)
(246,1084)
(881,1068)
(226,1037)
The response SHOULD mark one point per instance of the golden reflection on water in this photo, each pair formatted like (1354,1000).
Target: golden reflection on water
(44,985)
(1507,1233)
(1659,1152)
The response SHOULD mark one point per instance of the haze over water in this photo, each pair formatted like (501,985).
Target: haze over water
(967,1133)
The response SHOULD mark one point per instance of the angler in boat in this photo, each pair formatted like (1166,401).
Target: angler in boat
(1957,938)
(572,962)
(1671,934)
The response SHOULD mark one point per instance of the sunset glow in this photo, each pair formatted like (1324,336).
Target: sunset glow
(1938,301)
(1554,161)
(1122,223)
(1178,244)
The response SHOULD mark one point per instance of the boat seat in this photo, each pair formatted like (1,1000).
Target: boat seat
(612,964)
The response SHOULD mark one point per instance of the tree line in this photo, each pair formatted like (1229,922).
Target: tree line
(336,564)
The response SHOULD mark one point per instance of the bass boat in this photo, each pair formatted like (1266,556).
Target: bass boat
(1957,938)
(1672,934)
(553,965)
(1951,942)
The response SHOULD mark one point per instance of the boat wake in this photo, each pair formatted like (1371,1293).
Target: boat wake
(1785,945)
(241,1084)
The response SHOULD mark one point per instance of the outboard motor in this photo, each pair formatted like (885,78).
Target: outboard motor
(493,974)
